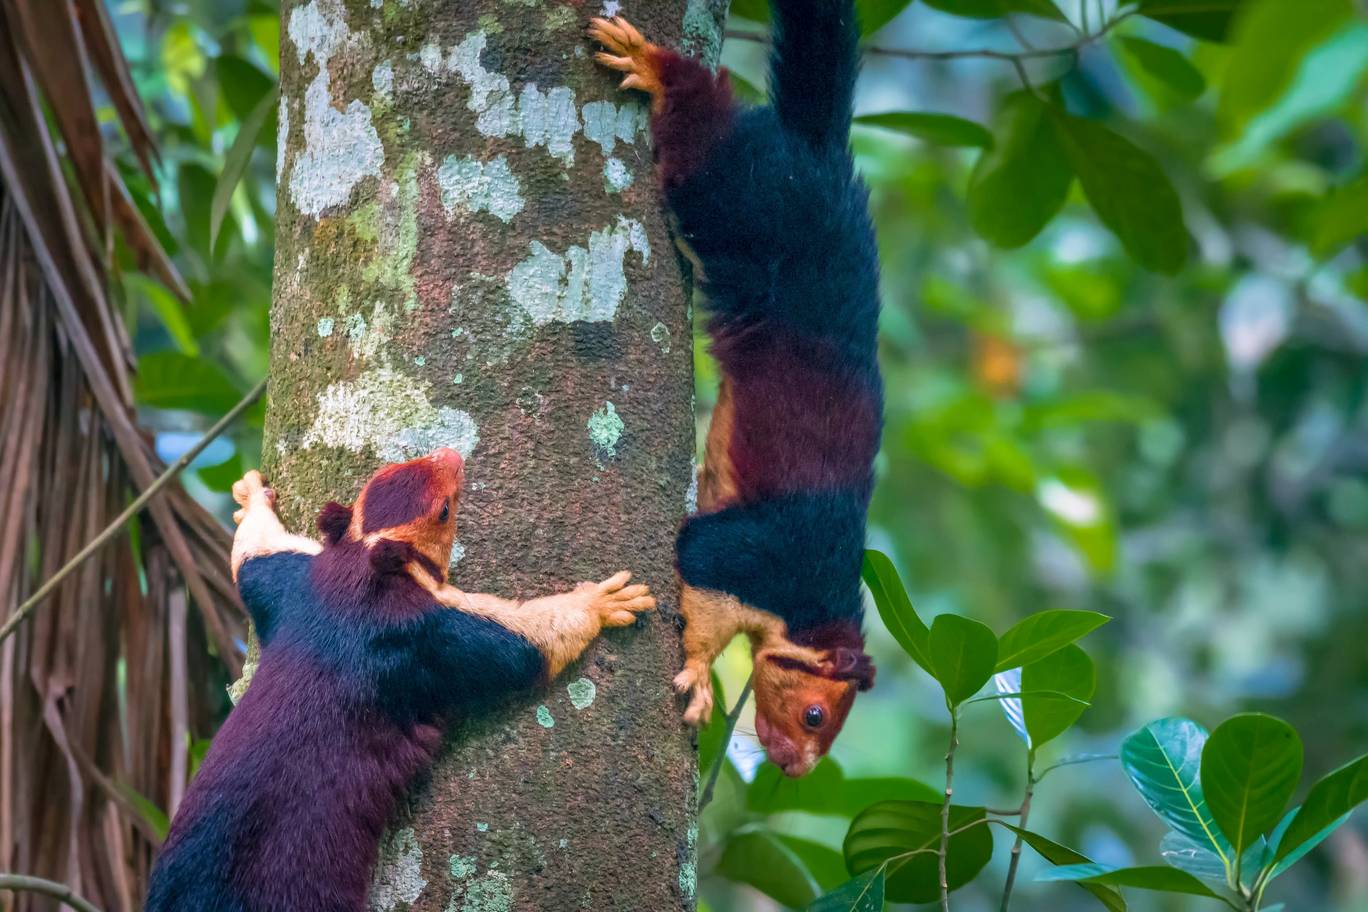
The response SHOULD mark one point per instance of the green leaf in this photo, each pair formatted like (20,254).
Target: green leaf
(862,894)
(1067,671)
(220,477)
(168,309)
(1329,799)
(754,10)
(170,380)
(1153,877)
(1208,19)
(236,161)
(895,608)
(1129,192)
(963,653)
(1037,635)
(890,831)
(745,90)
(827,791)
(1250,767)
(1300,851)
(875,14)
(1270,39)
(242,84)
(993,9)
(1163,761)
(1165,64)
(942,129)
(1021,183)
(1186,855)
(760,859)
(1057,854)
(1341,218)
(825,864)
(152,815)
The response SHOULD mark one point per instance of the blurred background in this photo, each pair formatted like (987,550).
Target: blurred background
(1186,453)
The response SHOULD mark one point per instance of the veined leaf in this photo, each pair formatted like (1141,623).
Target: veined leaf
(1169,66)
(1163,761)
(905,834)
(941,129)
(1037,635)
(170,380)
(1057,854)
(1329,799)
(862,894)
(1153,877)
(1250,767)
(1009,682)
(1066,671)
(1021,182)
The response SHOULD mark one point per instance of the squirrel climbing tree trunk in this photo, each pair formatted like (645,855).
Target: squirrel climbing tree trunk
(471,253)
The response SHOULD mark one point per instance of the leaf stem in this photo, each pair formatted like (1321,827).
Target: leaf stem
(1024,813)
(730,727)
(23,611)
(944,851)
(60,892)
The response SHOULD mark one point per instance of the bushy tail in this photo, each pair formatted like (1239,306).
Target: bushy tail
(813,67)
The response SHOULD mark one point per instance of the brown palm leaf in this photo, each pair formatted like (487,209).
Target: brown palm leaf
(102,689)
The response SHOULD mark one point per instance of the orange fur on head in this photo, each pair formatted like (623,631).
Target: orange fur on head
(798,710)
(410,502)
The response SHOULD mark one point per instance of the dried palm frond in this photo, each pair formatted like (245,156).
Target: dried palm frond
(102,689)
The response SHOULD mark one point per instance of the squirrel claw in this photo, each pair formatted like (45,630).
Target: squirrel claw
(700,705)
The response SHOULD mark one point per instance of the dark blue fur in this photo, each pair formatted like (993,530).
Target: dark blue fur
(359,673)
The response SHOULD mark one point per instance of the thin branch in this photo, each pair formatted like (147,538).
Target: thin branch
(1073,761)
(986,53)
(1025,814)
(60,892)
(113,529)
(944,850)
(726,739)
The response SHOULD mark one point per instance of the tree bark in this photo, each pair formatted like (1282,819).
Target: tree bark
(471,253)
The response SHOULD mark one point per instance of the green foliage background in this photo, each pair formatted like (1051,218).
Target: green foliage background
(1124,338)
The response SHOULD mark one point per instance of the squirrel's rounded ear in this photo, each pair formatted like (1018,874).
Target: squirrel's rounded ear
(333,521)
(853,665)
(390,557)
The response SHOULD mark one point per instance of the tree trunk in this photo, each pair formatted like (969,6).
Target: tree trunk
(471,253)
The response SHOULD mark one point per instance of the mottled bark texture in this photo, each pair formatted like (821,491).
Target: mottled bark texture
(472,253)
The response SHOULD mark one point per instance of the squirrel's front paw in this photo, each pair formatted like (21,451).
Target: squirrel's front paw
(696,680)
(627,52)
(615,603)
(251,491)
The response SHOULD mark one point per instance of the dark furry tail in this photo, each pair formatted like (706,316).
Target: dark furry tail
(813,67)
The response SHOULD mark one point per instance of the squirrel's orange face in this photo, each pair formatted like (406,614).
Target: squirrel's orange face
(800,708)
(410,502)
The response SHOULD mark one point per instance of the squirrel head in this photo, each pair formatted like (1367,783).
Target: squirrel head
(802,698)
(406,513)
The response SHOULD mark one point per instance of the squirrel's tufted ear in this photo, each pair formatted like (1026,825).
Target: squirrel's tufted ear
(333,521)
(389,557)
(852,665)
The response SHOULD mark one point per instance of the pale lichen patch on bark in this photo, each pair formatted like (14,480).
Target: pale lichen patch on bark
(476,186)
(586,283)
(605,430)
(616,175)
(340,147)
(390,414)
(582,693)
(607,124)
(399,871)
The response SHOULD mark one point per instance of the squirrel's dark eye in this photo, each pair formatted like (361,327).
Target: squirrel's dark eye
(813,717)
(446,512)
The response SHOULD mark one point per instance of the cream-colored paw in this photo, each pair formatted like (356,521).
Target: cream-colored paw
(696,681)
(251,491)
(615,603)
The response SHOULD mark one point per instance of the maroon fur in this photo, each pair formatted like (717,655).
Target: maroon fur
(695,113)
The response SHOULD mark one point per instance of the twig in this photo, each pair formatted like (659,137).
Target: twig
(988,53)
(109,531)
(726,739)
(60,892)
(1025,813)
(944,850)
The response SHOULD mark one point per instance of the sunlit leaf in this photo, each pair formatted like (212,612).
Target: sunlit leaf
(1165,64)
(895,608)
(1129,192)
(1186,855)
(1329,799)
(941,129)
(1250,767)
(170,380)
(1009,682)
(1021,183)
(1067,671)
(1163,761)
(910,832)
(862,894)
(963,654)
(1037,635)
(1270,39)
(1154,877)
